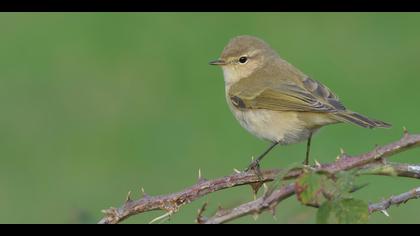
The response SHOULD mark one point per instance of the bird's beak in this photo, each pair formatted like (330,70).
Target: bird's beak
(218,62)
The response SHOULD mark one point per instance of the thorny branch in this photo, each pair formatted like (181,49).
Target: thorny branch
(395,200)
(269,203)
(372,163)
(255,207)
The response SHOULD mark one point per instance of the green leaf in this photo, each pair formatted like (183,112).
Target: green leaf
(346,181)
(343,211)
(325,214)
(352,211)
(342,185)
(309,187)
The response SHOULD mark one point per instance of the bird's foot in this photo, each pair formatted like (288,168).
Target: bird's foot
(255,167)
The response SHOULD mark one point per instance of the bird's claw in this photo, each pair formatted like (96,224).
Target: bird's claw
(255,166)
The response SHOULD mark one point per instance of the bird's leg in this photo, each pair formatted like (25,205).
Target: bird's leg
(255,165)
(308,149)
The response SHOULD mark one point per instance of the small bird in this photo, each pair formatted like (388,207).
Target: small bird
(277,102)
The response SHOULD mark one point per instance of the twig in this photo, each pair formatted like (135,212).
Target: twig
(172,202)
(256,206)
(346,162)
(395,200)
(391,169)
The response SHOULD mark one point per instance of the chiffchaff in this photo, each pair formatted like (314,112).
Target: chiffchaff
(274,100)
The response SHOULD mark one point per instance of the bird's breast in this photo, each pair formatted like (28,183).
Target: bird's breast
(273,126)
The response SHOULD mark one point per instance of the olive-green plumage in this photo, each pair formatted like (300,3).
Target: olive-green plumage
(274,100)
(300,94)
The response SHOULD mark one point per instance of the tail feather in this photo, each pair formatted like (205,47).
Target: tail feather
(360,120)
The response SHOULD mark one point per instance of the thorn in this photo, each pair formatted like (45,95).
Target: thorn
(385,213)
(255,216)
(317,164)
(162,217)
(145,195)
(236,171)
(405,131)
(200,177)
(337,158)
(255,187)
(273,212)
(252,158)
(275,218)
(272,209)
(128,199)
(265,188)
(342,151)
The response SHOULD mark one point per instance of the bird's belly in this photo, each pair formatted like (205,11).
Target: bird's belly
(274,126)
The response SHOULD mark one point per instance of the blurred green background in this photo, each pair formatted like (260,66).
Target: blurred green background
(95,105)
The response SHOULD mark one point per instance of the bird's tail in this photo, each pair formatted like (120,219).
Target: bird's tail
(360,120)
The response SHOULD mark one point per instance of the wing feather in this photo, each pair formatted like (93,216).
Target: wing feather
(305,95)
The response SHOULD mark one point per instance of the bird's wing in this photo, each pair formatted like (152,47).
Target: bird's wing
(306,95)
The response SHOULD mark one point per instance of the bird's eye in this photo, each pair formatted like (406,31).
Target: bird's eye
(243,60)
